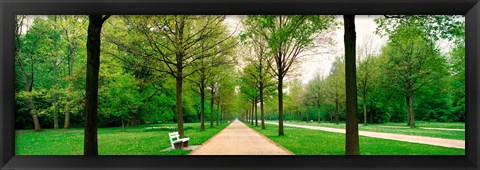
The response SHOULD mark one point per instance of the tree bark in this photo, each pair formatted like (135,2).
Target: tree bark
(218,111)
(280,104)
(253,110)
(178,89)
(211,107)
(93,64)
(352,142)
(33,112)
(262,115)
(255,106)
(202,107)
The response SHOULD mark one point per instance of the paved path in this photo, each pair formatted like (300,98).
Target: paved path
(448,129)
(239,139)
(451,143)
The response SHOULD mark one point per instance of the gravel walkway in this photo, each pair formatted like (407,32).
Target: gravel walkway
(239,139)
(450,143)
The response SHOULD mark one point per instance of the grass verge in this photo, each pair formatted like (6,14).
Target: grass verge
(315,142)
(111,141)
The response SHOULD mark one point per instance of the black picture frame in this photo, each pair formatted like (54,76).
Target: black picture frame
(10,8)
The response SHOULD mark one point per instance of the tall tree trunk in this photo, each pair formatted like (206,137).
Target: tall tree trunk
(253,110)
(202,107)
(262,115)
(365,109)
(178,89)
(352,146)
(218,111)
(211,107)
(93,64)
(256,117)
(280,104)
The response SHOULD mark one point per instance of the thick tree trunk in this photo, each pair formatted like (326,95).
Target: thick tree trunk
(256,117)
(262,115)
(202,106)
(93,64)
(33,112)
(253,111)
(178,89)
(280,104)
(211,107)
(352,142)
(218,111)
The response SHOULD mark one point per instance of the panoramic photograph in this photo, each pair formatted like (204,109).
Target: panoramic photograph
(240,85)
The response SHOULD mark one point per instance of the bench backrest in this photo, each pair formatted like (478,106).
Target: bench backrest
(172,136)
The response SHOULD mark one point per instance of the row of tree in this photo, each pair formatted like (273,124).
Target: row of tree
(178,68)
(407,78)
(146,64)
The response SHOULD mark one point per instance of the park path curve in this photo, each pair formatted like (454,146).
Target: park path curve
(450,143)
(239,139)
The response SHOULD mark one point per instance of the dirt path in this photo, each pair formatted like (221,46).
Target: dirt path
(451,143)
(239,139)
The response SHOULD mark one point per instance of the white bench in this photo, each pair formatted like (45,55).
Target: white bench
(175,138)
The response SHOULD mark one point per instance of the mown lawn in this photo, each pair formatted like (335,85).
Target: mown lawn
(315,142)
(401,128)
(111,141)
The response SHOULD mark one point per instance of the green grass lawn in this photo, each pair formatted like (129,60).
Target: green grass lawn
(402,128)
(315,142)
(111,141)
